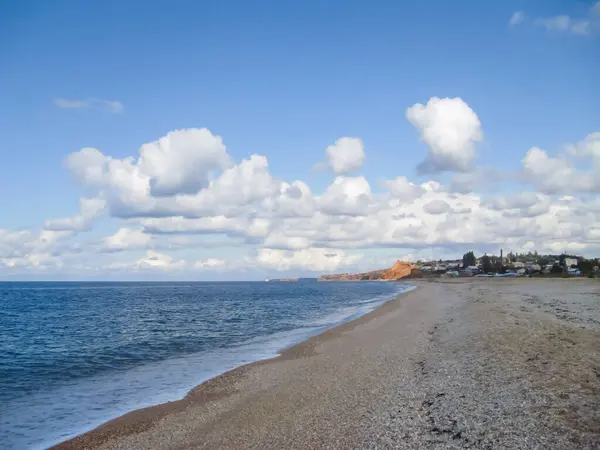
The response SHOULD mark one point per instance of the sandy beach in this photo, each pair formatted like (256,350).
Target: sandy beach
(486,364)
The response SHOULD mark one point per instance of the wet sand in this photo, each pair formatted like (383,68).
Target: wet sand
(467,363)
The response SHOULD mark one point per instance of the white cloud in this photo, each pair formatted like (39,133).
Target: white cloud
(181,161)
(314,259)
(127,239)
(403,189)
(517,18)
(557,174)
(350,196)
(158,261)
(210,263)
(110,106)
(581,26)
(89,209)
(271,224)
(437,207)
(567,24)
(587,148)
(345,155)
(451,129)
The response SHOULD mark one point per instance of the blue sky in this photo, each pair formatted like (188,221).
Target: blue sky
(285,80)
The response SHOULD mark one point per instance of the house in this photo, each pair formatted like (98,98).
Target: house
(570,262)
(518,265)
(472,270)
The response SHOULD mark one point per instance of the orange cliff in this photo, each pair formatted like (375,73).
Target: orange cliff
(398,271)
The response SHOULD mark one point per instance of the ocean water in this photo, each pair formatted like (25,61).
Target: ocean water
(74,355)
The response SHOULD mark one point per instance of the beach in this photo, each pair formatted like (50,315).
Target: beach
(466,363)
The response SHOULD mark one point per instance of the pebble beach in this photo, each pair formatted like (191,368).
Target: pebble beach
(465,363)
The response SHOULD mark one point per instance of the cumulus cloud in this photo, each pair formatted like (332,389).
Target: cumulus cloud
(347,196)
(179,163)
(89,209)
(403,189)
(451,130)
(110,106)
(127,239)
(158,261)
(587,148)
(557,174)
(277,225)
(345,155)
(437,207)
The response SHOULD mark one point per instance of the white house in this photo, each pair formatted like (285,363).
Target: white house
(570,262)
(518,265)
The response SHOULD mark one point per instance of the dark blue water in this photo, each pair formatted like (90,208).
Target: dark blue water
(73,355)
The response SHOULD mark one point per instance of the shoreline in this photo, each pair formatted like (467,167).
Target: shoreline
(140,419)
(452,364)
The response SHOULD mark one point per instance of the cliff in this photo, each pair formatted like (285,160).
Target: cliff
(398,271)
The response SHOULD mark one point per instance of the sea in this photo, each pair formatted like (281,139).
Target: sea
(74,355)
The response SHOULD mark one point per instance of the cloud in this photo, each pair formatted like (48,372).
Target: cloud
(587,148)
(403,189)
(314,259)
(181,161)
(558,174)
(517,18)
(347,196)
(345,155)
(210,263)
(437,207)
(109,106)
(564,23)
(451,129)
(90,208)
(127,239)
(168,212)
(158,261)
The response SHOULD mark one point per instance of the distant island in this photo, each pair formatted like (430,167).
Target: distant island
(290,280)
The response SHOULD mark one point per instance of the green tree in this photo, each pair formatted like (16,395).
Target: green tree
(487,264)
(469,259)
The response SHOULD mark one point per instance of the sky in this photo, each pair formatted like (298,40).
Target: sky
(235,140)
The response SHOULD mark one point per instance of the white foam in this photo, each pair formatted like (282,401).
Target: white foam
(85,404)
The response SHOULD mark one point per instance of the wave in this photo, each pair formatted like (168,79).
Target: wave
(47,417)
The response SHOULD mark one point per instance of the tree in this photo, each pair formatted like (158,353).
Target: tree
(487,264)
(469,259)
(586,265)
